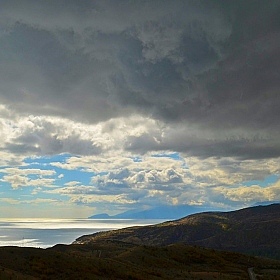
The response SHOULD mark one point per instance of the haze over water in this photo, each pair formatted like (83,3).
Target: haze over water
(45,233)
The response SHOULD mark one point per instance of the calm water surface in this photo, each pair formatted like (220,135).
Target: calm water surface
(45,233)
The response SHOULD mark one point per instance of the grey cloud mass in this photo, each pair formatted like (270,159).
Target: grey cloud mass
(207,70)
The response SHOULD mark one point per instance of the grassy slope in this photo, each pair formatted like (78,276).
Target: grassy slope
(253,230)
(118,260)
(125,254)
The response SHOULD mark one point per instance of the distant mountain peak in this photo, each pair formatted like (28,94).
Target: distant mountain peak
(164,212)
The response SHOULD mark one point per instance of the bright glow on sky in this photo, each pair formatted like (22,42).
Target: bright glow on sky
(108,106)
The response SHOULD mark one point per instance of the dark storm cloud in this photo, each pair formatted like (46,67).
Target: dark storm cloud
(211,64)
(203,144)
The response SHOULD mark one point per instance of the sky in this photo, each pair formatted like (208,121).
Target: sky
(108,106)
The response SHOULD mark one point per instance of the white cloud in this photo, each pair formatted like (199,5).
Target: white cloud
(251,194)
(28,171)
(73,190)
(18,181)
(49,135)
(10,200)
(72,183)
(21,177)
(93,199)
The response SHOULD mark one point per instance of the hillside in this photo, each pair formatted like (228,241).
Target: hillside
(118,260)
(253,230)
(161,251)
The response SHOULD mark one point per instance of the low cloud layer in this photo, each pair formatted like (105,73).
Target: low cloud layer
(165,179)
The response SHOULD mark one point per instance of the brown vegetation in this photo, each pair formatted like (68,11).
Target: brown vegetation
(118,260)
(161,251)
(254,230)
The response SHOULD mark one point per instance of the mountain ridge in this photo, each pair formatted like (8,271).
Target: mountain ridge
(253,230)
(159,212)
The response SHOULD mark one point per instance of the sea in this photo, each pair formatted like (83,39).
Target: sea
(45,233)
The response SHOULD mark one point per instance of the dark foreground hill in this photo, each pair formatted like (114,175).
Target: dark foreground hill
(118,260)
(254,230)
